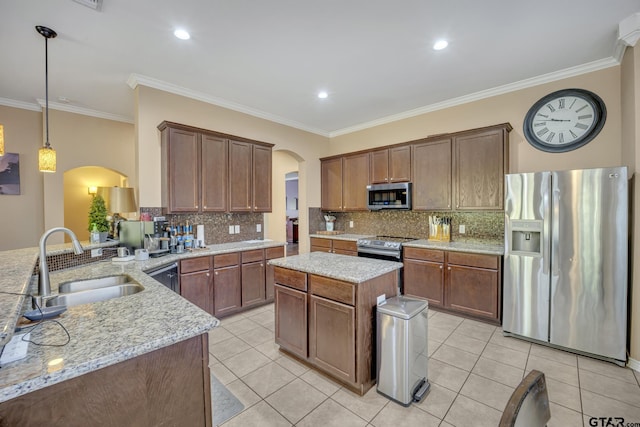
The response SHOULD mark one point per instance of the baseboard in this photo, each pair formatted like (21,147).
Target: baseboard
(634,364)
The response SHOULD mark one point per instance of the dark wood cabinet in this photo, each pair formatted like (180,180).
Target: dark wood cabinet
(332,337)
(196,283)
(459,282)
(214,186)
(253,277)
(355,177)
(331,184)
(390,165)
(271,253)
(206,171)
(480,161)
(432,175)
(291,319)
(336,246)
(226,284)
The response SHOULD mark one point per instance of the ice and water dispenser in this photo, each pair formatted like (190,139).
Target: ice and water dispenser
(526,237)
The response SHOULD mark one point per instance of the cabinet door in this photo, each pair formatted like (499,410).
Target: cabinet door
(253,291)
(432,175)
(331,185)
(473,291)
(196,288)
(332,337)
(479,169)
(379,166)
(227,290)
(214,174)
(291,320)
(240,176)
(400,164)
(424,279)
(271,253)
(261,179)
(182,172)
(355,178)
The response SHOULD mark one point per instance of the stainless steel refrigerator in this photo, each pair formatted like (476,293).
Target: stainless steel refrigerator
(565,263)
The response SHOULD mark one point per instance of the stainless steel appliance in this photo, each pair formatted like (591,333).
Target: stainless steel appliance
(566,256)
(167,275)
(389,196)
(382,247)
(145,234)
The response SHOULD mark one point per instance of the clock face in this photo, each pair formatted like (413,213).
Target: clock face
(564,120)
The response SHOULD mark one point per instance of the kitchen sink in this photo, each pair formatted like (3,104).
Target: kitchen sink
(88,291)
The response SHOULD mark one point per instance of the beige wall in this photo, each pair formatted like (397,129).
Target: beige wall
(283,163)
(84,141)
(21,217)
(605,150)
(155,106)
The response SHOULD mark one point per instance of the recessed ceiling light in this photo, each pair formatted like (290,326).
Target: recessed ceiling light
(181,34)
(440,44)
(322,95)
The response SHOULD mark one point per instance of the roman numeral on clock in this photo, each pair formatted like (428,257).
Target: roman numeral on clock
(581,126)
(542,131)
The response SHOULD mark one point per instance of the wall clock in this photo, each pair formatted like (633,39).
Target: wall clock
(564,120)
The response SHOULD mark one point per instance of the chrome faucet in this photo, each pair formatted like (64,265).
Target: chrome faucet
(44,287)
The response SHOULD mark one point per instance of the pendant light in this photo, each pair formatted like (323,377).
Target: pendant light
(46,155)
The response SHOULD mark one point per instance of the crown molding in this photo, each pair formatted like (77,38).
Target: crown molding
(85,111)
(629,29)
(137,79)
(500,90)
(19,104)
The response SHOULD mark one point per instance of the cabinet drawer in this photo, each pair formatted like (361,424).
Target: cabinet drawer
(474,260)
(195,264)
(272,253)
(424,254)
(345,245)
(226,260)
(332,289)
(252,256)
(323,243)
(291,278)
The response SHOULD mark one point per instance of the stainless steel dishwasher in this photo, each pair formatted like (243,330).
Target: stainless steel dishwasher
(167,275)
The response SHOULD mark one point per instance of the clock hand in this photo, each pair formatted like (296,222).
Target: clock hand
(554,120)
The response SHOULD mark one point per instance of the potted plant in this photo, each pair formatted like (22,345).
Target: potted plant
(98,216)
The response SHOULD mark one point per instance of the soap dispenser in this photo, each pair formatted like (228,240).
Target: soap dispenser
(95,234)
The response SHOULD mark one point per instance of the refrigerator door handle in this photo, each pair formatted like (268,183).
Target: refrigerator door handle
(555,233)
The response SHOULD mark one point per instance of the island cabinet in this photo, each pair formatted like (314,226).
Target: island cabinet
(207,171)
(329,323)
(271,253)
(170,386)
(343,183)
(463,283)
(390,165)
(335,246)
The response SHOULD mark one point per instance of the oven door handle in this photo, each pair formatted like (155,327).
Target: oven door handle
(162,269)
(373,251)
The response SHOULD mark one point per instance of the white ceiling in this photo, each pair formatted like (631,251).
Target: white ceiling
(271,57)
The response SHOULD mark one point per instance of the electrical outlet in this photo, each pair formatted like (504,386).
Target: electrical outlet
(231,229)
(258,228)
(462,229)
(237,229)
(350,224)
(96,252)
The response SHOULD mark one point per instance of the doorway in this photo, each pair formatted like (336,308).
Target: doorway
(291,202)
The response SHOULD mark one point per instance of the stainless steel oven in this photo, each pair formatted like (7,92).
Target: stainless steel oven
(387,248)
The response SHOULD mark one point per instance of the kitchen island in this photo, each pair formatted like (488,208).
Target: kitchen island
(140,359)
(325,312)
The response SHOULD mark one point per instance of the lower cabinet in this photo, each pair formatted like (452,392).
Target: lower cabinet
(253,277)
(291,320)
(459,282)
(196,282)
(336,246)
(227,288)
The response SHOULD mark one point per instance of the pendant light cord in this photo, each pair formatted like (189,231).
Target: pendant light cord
(46,87)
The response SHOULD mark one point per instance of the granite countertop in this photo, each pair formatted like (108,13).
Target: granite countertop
(486,248)
(103,333)
(353,237)
(341,267)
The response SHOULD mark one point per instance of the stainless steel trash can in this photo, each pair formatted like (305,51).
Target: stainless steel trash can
(402,358)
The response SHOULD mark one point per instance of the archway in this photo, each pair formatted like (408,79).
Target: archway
(77,199)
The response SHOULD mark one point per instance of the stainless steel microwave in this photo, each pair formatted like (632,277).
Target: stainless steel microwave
(389,196)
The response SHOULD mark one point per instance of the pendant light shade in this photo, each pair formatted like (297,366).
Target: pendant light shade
(1,140)
(46,155)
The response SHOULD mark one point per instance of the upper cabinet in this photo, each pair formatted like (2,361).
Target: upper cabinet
(344,181)
(432,175)
(390,165)
(206,171)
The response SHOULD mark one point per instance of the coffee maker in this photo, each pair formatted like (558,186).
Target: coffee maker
(150,235)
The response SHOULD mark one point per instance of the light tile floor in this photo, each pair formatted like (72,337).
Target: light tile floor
(473,369)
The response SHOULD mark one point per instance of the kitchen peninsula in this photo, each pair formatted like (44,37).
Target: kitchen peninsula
(325,312)
(140,359)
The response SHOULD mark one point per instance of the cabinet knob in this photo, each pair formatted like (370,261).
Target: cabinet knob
(449,268)
(208,274)
(390,179)
(204,207)
(449,205)
(261,265)
(216,273)
(196,206)
(440,267)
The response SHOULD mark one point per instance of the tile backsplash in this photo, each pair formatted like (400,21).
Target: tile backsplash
(479,226)
(216,225)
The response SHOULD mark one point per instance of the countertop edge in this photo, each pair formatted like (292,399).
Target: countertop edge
(486,248)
